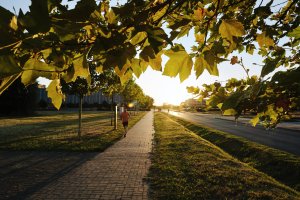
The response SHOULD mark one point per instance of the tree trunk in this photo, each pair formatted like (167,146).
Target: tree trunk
(79,115)
(112,109)
(115,117)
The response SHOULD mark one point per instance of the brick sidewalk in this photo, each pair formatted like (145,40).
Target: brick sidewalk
(117,173)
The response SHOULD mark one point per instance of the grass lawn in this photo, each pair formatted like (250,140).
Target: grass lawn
(58,131)
(185,166)
(281,165)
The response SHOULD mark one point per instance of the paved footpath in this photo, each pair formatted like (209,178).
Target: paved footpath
(117,173)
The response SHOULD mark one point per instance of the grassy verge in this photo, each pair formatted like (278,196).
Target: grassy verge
(281,165)
(59,132)
(185,166)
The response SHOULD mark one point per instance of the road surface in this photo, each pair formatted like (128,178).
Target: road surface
(282,139)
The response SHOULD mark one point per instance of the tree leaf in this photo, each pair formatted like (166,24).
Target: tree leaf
(268,67)
(7,81)
(111,17)
(29,77)
(199,66)
(160,13)
(81,67)
(199,14)
(211,63)
(55,93)
(39,14)
(234,60)
(139,37)
(255,120)
(295,33)
(34,64)
(8,66)
(264,41)
(250,49)
(232,101)
(229,112)
(155,63)
(136,68)
(230,28)
(14,23)
(180,63)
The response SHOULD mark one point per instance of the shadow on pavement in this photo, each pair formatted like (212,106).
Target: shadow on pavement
(24,173)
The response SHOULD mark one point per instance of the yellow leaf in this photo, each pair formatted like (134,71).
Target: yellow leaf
(14,23)
(55,93)
(229,112)
(29,77)
(159,14)
(139,37)
(220,105)
(180,63)
(264,41)
(230,28)
(200,38)
(7,81)
(99,69)
(199,14)
(156,62)
(255,120)
(111,17)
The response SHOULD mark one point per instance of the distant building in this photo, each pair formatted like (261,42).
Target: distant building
(42,94)
(92,99)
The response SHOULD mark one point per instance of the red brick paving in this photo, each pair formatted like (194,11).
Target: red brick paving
(117,173)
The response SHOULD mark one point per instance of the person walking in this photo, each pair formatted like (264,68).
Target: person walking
(125,117)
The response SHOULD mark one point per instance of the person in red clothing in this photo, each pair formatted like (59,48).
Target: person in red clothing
(125,117)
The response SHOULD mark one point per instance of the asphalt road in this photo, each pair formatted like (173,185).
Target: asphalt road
(283,139)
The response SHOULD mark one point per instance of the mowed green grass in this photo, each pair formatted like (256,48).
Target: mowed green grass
(281,165)
(185,166)
(57,131)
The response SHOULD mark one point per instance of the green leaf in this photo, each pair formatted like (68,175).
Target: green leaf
(211,61)
(295,33)
(39,14)
(180,63)
(81,67)
(139,37)
(7,81)
(268,67)
(230,28)
(232,101)
(81,12)
(8,66)
(55,93)
(126,77)
(136,68)
(199,65)
(250,49)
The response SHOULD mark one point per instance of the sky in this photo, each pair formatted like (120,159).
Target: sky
(162,88)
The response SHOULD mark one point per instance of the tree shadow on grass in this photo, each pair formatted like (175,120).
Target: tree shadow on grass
(24,173)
